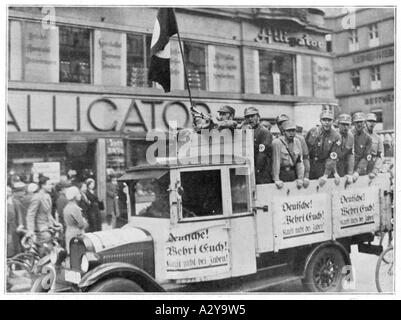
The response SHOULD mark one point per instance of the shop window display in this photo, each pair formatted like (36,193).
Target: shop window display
(276,73)
(137,62)
(72,157)
(75,62)
(195,59)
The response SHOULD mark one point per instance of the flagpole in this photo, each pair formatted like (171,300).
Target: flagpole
(183,62)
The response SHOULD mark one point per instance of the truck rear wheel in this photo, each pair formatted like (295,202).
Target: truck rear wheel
(116,285)
(324,271)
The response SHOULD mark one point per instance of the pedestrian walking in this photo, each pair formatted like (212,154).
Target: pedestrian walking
(94,217)
(39,216)
(74,221)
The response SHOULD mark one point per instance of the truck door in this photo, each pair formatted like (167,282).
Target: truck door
(208,242)
(242,228)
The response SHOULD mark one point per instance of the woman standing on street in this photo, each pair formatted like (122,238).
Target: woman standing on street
(84,205)
(74,221)
(95,220)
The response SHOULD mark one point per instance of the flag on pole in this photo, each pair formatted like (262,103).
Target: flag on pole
(165,27)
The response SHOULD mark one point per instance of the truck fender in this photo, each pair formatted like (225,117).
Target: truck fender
(334,244)
(120,270)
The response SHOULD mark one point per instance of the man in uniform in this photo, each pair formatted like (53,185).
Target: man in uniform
(377,151)
(323,144)
(362,144)
(345,164)
(305,153)
(287,157)
(225,120)
(262,146)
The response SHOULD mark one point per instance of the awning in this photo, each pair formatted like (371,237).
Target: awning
(143,174)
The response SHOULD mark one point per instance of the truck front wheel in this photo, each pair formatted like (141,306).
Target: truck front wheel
(324,271)
(116,285)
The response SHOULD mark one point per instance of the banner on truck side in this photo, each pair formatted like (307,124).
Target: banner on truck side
(356,211)
(302,220)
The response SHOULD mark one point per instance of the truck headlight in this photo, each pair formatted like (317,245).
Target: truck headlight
(90,260)
(84,263)
(57,255)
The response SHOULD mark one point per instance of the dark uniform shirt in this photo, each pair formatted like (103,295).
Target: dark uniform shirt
(262,154)
(345,164)
(362,151)
(323,151)
(377,152)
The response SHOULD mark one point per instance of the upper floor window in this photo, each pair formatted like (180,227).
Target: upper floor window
(356,81)
(375,79)
(75,54)
(276,71)
(137,62)
(329,43)
(373,35)
(195,60)
(353,43)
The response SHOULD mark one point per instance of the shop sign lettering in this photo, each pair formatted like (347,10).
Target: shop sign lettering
(375,55)
(271,35)
(101,114)
(195,252)
(381,99)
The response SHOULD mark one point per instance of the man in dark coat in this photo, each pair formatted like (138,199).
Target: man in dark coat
(262,146)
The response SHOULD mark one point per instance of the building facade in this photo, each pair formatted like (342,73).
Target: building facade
(363,44)
(78,79)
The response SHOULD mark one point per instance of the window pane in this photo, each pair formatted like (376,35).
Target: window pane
(202,193)
(74,55)
(137,71)
(276,73)
(195,59)
(239,190)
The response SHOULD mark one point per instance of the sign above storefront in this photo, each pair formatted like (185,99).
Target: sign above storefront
(271,35)
(39,112)
(379,54)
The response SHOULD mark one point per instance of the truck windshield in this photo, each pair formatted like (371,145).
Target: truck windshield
(152,197)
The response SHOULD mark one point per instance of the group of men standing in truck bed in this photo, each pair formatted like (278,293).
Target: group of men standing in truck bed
(326,151)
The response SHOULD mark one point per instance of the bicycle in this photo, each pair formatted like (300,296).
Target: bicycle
(385,266)
(30,262)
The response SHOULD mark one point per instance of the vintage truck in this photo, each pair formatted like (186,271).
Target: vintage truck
(209,227)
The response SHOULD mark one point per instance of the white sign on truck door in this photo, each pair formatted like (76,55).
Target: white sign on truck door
(197,253)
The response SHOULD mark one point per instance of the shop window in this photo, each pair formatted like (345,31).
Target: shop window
(239,190)
(356,81)
(375,80)
(137,62)
(202,194)
(75,55)
(276,71)
(72,157)
(373,35)
(195,60)
(353,44)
